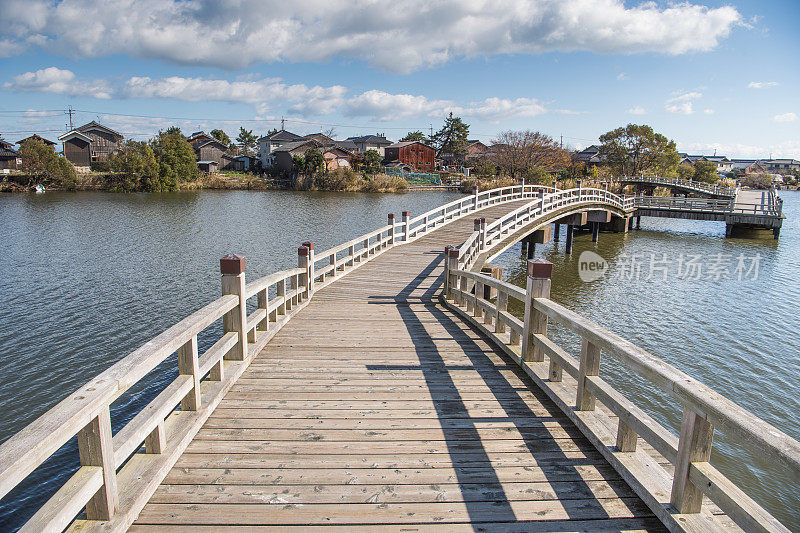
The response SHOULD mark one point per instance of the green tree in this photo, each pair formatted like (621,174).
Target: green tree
(705,171)
(246,140)
(452,138)
(299,162)
(417,136)
(221,136)
(173,130)
(43,165)
(136,168)
(372,161)
(176,161)
(685,172)
(314,160)
(636,149)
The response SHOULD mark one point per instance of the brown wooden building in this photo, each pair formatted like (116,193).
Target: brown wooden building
(90,142)
(9,158)
(412,153)
(213,151)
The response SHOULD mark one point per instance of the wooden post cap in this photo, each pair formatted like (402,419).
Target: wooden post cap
(452,252)
(391,216)
(406,214)
(483,220)
(475,189)
(303,251)
(309,245)
(540,268)
(232,264)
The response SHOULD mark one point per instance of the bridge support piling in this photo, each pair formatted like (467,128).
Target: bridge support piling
(776,232)
(568,246)
(638,222)
(595,231)
(556,232)
(232,268)
(531,248)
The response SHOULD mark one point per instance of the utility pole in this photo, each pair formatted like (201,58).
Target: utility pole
(283,127)
(69,112)
(562,142)
(431,137)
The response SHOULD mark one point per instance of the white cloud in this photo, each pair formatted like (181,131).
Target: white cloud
(57,81)
(785,117)
(622,76)
(636,110)
(682,103)
(245,32)
(709,111)
(497,109)
(744,151)
(761,84)
(386,106)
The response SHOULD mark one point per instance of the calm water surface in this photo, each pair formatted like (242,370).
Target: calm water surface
(740,337)
(86,278)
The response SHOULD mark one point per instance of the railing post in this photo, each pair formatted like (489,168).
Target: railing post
(475,197)
(304,261)
(263,303)
(451,255)
(311,270)
(694,446)
(555,184)
(465,300)
(477,312)
(589,366)
(95,448)
(390,238)
(539,274)
(189,366)
(501,307)
(406,230)
(232,268)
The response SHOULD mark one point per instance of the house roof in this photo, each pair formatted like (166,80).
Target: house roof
(370,139)
(406,143)
(73,134)
(291,146)
(348,146)
(199,135)
(281,135)
(782,161)
(321,137)
(207,163)
(93,125)
(35,136)
(7,149)
(212,141)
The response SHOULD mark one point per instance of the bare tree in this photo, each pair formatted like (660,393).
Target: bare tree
(521,153)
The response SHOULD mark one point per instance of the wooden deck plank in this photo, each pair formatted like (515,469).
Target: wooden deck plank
(377,407)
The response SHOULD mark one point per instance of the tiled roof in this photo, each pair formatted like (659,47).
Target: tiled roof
(370,139)
(281,135)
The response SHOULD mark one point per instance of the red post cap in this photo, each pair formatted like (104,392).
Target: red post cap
(391,216)
(483,220)
(232,264)
(452,252)
(406,214)
(540,268)
(303,251)
(309,245)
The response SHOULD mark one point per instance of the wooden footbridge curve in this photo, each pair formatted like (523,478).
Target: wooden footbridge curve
(377,386)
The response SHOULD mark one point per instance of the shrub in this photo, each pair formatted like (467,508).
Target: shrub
(100,166)
(341,179)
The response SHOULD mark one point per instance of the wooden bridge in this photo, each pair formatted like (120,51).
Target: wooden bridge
(678,185)
(382,384)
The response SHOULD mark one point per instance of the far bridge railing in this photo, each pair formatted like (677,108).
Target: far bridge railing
(697,186)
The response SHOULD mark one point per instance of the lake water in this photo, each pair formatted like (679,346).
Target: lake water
(86,278)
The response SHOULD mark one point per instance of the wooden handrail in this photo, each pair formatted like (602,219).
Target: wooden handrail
(700,401)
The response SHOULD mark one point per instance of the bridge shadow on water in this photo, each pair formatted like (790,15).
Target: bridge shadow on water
(482,487)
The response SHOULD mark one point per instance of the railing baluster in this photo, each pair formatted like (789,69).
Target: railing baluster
(95,448)
(694,446)
(539,273)
(500,307)
(189,366)
(626,437)
(263,303)
(589,366)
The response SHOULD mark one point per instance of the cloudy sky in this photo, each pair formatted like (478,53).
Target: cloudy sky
(715,75)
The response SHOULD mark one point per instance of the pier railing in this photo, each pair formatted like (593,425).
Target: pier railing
(697,186)
(115,479)
(677,497)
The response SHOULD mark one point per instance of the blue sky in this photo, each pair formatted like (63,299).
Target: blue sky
(712,75)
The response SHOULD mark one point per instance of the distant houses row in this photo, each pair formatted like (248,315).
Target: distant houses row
(591,157)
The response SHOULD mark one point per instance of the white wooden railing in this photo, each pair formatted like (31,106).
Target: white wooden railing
(697,186)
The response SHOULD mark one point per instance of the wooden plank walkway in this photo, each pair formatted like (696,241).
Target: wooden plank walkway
(377,408)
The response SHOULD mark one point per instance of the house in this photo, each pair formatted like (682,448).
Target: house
(9,158)
(476,149)
(213,150)
(245,163)
(90,142)
(370,142)
(208,166)
(589,156)
(336,157)
(282,155)
(37,137)
(199,137)
(723,163)
(778,165)
(418,156)
(269,143)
